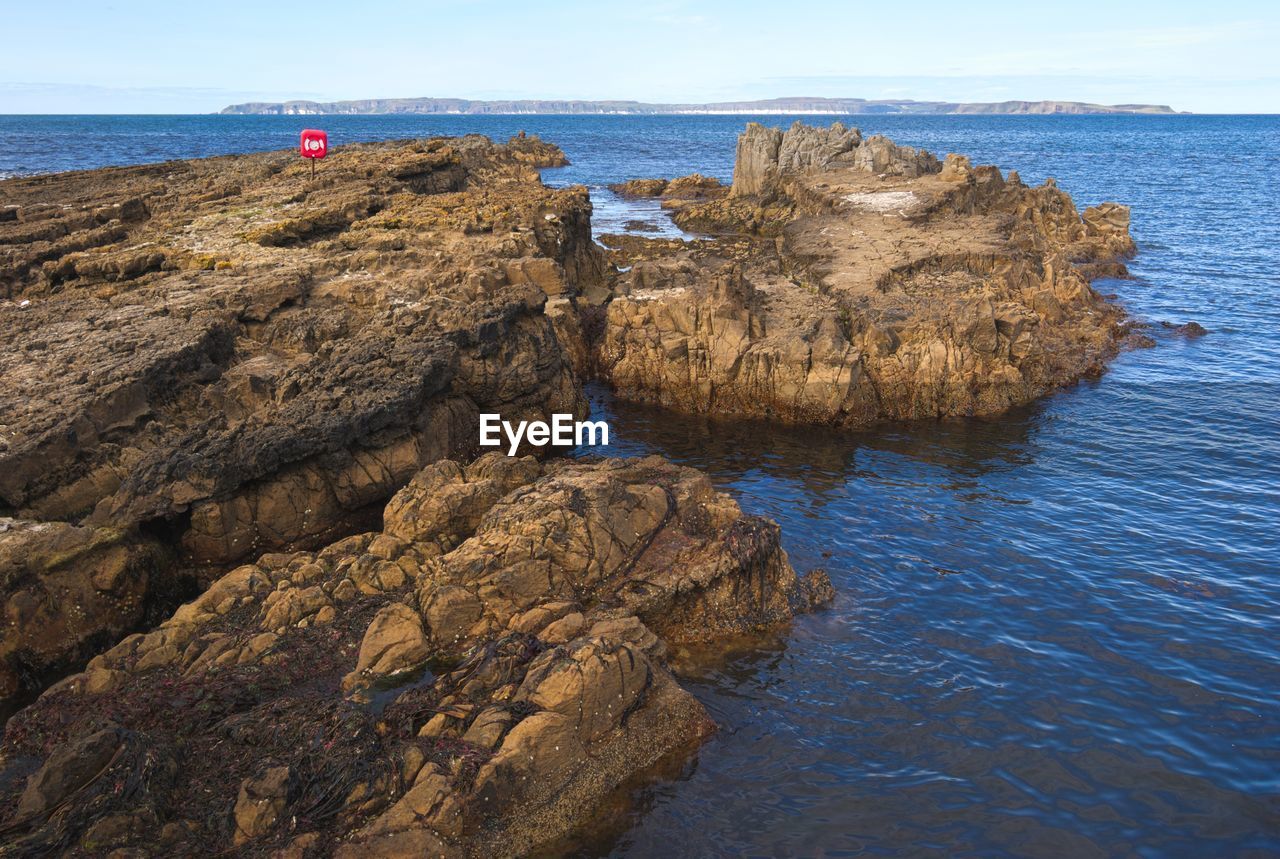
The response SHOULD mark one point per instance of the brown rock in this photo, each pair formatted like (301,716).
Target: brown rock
(67,770)
(695,186)
(639,187)
(395,642)
(550,617)
(430,802)
(756,162)
(854,280)
(409,844)
(261,803)
(63,590)
(233,359)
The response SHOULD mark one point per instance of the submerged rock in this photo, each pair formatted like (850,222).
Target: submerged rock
(545,598)
(1191,330)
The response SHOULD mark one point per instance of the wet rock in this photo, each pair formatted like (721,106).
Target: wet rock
(430,803)
(815,590)
(395,642)
(70,768)
(65,590)
(1190,330)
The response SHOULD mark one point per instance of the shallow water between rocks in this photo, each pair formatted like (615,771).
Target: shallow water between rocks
(1057,631)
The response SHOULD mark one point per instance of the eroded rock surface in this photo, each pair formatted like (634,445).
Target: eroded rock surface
(471,680)
(68,592)
(229,357)
(853,280)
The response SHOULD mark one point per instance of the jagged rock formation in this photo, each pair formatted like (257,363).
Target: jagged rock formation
(765,154)
(228,357)
(471,680)
(853,280)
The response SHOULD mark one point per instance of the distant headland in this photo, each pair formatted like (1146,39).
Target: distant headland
(835,106)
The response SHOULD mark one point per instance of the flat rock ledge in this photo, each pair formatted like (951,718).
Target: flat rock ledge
(471,680)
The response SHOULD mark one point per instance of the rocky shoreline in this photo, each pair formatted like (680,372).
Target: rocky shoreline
(230,382)
(851,280)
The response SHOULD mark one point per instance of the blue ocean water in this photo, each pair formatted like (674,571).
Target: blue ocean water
(1058,632)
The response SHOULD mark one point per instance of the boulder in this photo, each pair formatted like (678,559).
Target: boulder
(260,803)
(394,642)
(639,187)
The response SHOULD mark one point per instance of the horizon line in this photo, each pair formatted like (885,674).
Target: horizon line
(637,114)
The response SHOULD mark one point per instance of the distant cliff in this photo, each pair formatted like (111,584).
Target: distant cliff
(840,106)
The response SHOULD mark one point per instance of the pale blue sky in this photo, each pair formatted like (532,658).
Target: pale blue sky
(180,56)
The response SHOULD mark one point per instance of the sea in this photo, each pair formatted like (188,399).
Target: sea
(1057,631)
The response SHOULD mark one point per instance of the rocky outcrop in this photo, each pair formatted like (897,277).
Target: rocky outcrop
(853,280)
(224,357)
(639,188)
(767,154)
(471,680)
(695,186)
(674,193)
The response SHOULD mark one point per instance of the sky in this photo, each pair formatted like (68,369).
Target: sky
(189,56)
